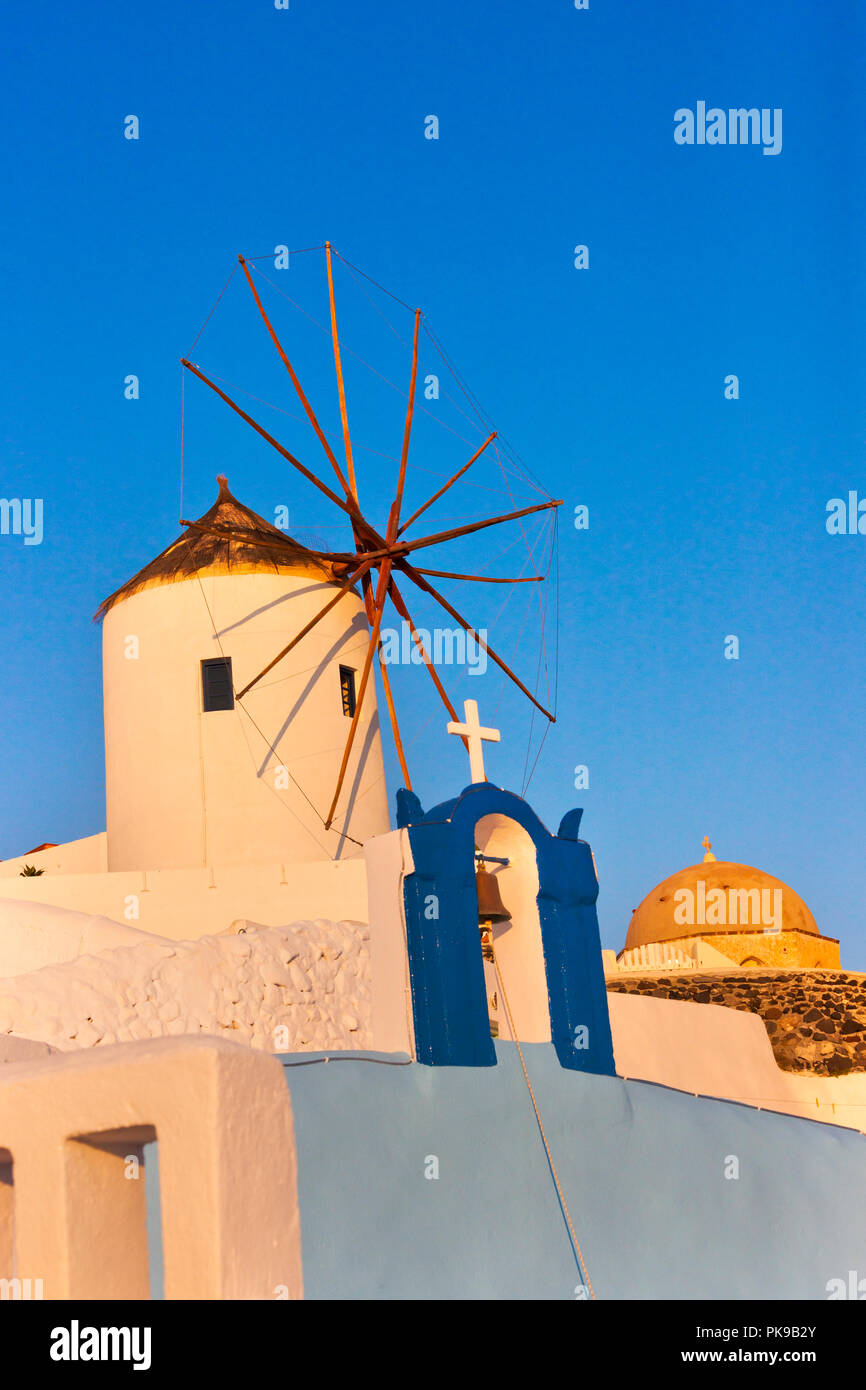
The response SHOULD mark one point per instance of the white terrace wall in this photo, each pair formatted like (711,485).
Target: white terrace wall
(725,1053)
(101,962)
(389,860)
(87,856)
(184,904)
(34,935)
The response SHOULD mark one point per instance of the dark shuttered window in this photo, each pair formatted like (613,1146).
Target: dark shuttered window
(216,684)
(347,690)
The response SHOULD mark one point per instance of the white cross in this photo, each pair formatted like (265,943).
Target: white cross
(474,734)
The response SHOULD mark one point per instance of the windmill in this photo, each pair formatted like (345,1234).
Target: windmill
(383,560)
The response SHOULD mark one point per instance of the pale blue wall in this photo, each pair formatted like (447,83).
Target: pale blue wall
(641,1167)
(155,1260)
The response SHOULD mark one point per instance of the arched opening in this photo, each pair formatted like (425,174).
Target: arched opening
(550,954)
(518,975)
(751,961)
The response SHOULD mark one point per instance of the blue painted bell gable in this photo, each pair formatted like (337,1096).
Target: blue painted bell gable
(446,968)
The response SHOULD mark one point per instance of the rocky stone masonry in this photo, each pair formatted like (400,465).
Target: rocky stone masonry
(815,1019)
(282,989)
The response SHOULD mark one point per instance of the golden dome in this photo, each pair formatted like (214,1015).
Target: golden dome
(717,896)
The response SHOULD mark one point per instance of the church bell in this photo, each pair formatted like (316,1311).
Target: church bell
(490,905)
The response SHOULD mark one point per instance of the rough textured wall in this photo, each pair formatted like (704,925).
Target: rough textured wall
(784,949)
(311,979)
(816,1019)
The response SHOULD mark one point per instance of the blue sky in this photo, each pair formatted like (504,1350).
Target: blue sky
(707,516)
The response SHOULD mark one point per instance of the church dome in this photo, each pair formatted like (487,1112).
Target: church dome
(200,551)
(689,904)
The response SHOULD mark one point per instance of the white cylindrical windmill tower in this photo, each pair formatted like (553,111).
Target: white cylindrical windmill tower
(192,776)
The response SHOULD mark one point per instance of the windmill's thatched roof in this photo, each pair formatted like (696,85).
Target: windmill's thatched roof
(198,552)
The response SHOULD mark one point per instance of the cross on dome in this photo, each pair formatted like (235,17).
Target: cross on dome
(476,736)
(709,857)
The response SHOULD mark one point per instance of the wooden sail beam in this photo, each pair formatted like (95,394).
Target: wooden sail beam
(394,520)
(450,483)
(335,338)
(386,552)
(396,550)
(483,578)
(373,610)
(456,531)
(399,604)
(374,617)
(365,676)
(296,383)
(357,530)
(406,568)
(349,506)
(351,579)
(392,715)
(369,605)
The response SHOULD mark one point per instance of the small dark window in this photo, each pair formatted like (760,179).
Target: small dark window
(347,690)
(216,684)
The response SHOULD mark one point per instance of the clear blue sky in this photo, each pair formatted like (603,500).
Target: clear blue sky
(260,127)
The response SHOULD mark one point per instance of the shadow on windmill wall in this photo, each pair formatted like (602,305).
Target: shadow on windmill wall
(448,992)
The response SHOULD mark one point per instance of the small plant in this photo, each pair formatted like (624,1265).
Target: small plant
(30,872)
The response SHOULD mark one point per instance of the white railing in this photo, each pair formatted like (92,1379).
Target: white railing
(661,955)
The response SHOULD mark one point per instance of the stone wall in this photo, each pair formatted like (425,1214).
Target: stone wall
(815,1019)
(783,949)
